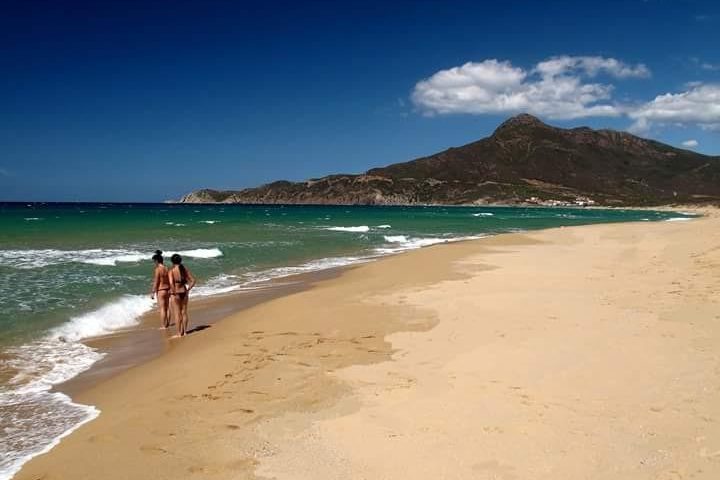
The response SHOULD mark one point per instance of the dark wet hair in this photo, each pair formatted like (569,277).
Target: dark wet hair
(177,260)
(158,256)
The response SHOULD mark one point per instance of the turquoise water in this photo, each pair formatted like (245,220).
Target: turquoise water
(69,272)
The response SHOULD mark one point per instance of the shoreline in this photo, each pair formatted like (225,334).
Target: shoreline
(710,204)
(144,342)
(86,392)
(380,353)
(141,343)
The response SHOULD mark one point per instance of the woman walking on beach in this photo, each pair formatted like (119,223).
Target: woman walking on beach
(161,288)
(181,282)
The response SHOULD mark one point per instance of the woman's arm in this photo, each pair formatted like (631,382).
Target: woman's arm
(190,279)
(170,281)
(155,284)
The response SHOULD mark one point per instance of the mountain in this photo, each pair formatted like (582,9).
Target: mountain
(523,161)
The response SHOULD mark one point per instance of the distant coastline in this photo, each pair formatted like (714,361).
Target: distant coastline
(524,162)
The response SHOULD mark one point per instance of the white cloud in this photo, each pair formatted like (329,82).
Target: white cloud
(690,143)
(561,88)
(591,66)
(699,105)
(555,88)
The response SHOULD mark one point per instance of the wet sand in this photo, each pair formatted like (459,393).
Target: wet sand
(583,352)
(134,346)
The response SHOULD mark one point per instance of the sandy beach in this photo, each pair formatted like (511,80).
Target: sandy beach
(573,353)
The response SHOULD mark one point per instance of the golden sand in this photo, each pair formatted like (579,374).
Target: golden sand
(574,353)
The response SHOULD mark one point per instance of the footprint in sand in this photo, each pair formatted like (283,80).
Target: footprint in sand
(402,383)
(153,449)
(491,429)
(496,469)
(242,410)
(187,396)
(705,454)
(101,438)
(207,470)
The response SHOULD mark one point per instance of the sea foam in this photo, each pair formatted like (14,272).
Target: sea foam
(38,422)
(359,229)
(199,253)
(25,259)
(114,259)
(402,243)
(35,417)
(117,315)
(311,266)
(38,418)
(396,238)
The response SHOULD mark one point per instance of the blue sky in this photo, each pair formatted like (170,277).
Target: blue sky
(144,101)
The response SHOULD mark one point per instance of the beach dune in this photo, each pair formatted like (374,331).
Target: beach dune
(585,352)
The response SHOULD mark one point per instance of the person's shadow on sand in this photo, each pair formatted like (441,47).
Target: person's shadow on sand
(199,328)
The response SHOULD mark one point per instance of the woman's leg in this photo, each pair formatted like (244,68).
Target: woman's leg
(186,319)
(163,304)
(177,312)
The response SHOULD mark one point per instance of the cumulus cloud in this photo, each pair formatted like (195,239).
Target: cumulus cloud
(699,105)
(690,143)
(563,88)
(556,88)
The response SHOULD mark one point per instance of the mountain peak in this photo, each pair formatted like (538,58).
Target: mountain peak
(525,160)
(521,120)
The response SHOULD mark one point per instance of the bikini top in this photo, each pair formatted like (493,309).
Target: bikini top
(182,280)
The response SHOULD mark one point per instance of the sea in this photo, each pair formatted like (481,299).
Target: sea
(73,272)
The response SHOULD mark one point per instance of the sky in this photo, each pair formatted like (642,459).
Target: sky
(146,101)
